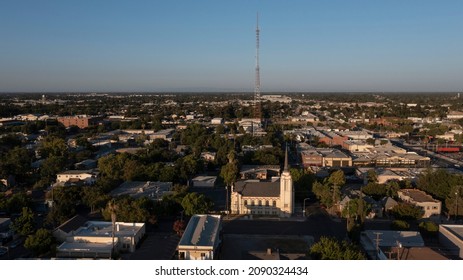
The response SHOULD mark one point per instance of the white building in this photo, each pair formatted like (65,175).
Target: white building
(454,115)
(419,198)
(216,121)
(94,239)
(208,156)
(271,197)
(201,238)
(89,177)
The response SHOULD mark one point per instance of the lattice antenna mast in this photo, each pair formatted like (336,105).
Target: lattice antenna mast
(257,78)
(257,81)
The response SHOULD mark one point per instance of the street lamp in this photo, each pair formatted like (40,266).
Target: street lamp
(303,210)
(399,246)
(456,206)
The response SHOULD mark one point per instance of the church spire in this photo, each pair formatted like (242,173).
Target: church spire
(286,167)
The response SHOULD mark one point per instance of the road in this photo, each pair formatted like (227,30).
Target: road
(317,224)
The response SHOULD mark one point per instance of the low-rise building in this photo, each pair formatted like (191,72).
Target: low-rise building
(451,237)
(164,134)
(260,172)
(208,156)
(454,115)
(137,189)
(204,181)
(81,121)
(216,121)
(94,239)
(419,198)
(378,243)
(88,177)
(201,238)
(325,158)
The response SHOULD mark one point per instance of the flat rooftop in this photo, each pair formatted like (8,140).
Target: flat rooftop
(201,231)
(93,228)
(457,230)
(417,195)
(85,247)
(138,189)
(389,238)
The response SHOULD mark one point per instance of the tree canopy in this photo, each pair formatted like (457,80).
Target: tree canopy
(329,248)
(194,203)
(40,243)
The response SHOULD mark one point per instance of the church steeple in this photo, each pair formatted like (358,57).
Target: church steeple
(286,167)
(286,189)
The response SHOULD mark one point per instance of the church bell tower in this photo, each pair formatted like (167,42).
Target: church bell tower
(286,190)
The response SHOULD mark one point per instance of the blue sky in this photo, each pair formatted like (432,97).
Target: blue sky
(209,45)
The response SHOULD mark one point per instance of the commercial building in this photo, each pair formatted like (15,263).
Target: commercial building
(81,121)
(137,189)
(325,158)
(451,237)
(94,239)
(201,239)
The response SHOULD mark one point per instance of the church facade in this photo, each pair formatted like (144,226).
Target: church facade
(274,197)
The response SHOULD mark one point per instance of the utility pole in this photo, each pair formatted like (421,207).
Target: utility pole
(456,204)
(377,240)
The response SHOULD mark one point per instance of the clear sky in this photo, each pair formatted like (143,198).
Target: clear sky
(209,45)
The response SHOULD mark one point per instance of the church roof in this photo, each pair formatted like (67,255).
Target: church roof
(252,188)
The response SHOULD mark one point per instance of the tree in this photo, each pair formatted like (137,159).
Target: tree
(53,146)
(40,243)
(429,228)
(453,201)
(375,190)
(65,200)
(371,141)
(94,198)
(24,224)
(372,177)
(438,183)
(17,202)
(16,162)
(323,193)
(130,210)
(50,167)
(337,178)
(328,248)
(406,211)
(194,203)
(229,172)
(303,182)
(112,166)
(400,225)
(179,227)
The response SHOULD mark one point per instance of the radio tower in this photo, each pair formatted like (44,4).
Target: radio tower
(257,108)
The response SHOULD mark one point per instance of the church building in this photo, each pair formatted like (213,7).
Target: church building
(273,197)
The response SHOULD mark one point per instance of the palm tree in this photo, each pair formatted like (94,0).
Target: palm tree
(112,207)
